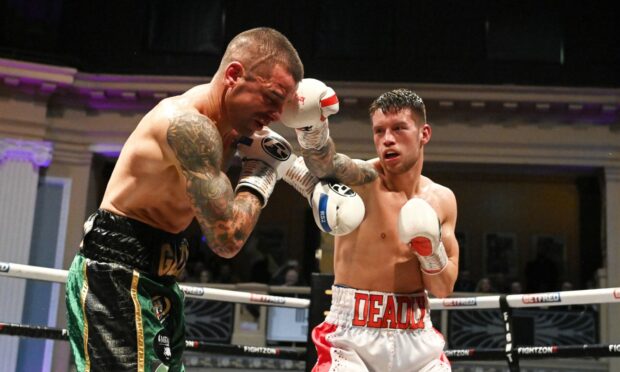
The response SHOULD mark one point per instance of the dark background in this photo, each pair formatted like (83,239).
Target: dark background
(542,42)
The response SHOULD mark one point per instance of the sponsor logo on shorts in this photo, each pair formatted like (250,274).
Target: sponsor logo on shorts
(260,350)
(458,302)
(342,190)
(538,350)
(172,259)
(161,307)
(389,311)
(193,291)
(616,292)
(277,149)
(161,344)
(541,298)
(5,267)
(614,348)
(266,299)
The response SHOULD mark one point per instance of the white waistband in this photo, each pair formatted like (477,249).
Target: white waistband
(353,307)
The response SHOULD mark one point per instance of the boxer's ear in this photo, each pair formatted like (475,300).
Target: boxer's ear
(233,72)
(425,133)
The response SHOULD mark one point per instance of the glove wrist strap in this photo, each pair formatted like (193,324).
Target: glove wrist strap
(434,263)
(259,176)
(314,137)
(300,178)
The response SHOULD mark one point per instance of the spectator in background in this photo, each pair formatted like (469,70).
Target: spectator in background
(279,277)
(205,276)
(291,277)
(516,287)
(567,286)
(484,286)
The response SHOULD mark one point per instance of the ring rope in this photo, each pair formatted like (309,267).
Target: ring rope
(604,295)
(537,352)
(578,297)
(60,276)
(524,352)
(193,345)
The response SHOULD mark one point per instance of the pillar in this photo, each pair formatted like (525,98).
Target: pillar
(19,174)
(612,254)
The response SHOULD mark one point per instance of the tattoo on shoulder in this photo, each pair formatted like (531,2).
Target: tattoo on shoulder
(195,141)
(198,148)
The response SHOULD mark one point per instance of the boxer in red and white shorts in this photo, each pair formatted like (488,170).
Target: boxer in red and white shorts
(400,241)
(376,331)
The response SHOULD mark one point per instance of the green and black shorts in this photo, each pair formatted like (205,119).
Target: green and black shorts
(125,309)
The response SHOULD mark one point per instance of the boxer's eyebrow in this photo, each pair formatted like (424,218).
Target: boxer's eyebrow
(278,95)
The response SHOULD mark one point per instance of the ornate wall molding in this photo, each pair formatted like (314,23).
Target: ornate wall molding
(612,173)
(39,153)
(473,123)
(70,87)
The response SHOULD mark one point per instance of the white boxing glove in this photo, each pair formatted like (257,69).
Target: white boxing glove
(419,227)
(308,113)
(265,156)
(337,209)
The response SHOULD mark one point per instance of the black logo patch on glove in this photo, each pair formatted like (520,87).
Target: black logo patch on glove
(278,150)
(342,190)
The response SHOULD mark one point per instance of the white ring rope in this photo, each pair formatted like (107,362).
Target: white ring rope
(60,276)
(579,297)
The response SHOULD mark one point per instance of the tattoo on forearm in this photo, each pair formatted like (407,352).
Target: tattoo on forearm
(326,163)
(226,220)
(227,238)
(319,161)
(353,172)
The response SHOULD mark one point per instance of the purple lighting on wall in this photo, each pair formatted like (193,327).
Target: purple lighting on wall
(107,150)
(39,153)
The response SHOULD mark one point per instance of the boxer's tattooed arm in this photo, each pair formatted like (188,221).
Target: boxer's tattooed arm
(327,163)
(226,220)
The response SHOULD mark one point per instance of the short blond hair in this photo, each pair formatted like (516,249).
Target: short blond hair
(263,46)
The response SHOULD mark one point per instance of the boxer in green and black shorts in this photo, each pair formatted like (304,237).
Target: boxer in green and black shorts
(122,283)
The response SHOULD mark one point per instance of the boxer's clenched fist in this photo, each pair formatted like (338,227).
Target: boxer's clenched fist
(418,226)
(266,156)
(308,113)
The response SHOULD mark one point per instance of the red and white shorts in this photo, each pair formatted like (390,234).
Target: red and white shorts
(377,331)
